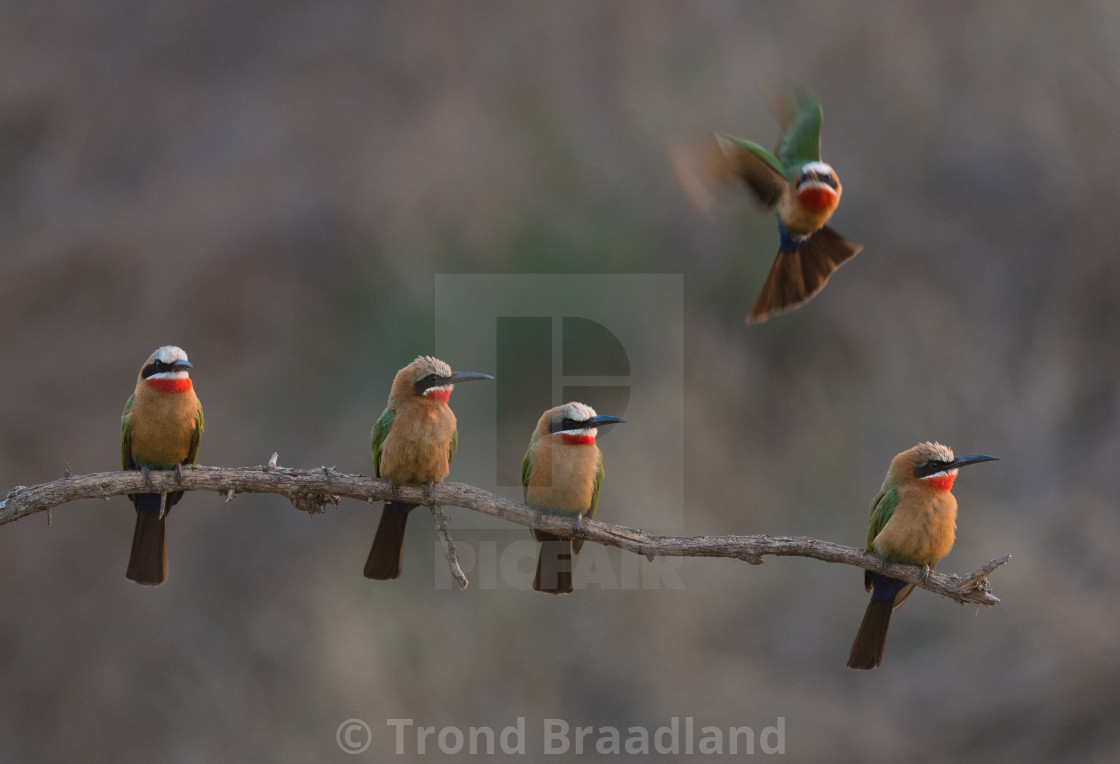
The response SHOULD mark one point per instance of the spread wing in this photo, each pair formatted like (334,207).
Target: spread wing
(801,117)
(706,169)
(739,150)
(380,431)
(758,168)
(126,436)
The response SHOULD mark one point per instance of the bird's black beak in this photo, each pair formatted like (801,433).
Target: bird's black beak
(598,421)
(463,376)
(932,468)
(962,461)
(182,366)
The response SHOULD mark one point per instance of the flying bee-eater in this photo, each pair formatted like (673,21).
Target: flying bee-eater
(160,430)
(913,521)
(413,442)
(804,189)
(561,474)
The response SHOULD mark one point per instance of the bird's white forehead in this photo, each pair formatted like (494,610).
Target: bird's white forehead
(820,167)
(431,365)
(934,450)
(580,412)
(169,354)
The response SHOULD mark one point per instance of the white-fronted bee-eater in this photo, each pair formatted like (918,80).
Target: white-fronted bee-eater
(561,474)
(913,521)
(413,442)
(160,430)
(804,190)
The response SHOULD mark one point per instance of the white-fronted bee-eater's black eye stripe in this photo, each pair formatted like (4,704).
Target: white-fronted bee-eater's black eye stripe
(159,367)
(819,177)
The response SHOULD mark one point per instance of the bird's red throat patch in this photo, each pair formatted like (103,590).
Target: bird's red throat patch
(169,385)
(941,482)
(443,396)
(817,198)
(577,440)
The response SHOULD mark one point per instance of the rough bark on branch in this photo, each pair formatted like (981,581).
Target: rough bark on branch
(311,490)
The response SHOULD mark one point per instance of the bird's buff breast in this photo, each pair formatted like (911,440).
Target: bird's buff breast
(919,532)
(563,479)
(416,448)
(162,428)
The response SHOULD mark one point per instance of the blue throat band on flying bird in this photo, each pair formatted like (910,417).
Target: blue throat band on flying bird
(791,242)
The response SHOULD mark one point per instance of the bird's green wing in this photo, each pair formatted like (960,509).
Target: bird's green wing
(126,435)
(377,437)
(750,147)
(577,544)
(595,492)
(454,445)
(800,115)
(881,510)
(526,472)
(719,162)
(196,437)
(745,160)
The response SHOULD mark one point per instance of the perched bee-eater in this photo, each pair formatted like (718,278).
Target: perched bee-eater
(561,474)
(913,521)
(160,430)
(804,189)
(413,442)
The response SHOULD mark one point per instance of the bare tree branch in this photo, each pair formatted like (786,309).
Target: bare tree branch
(311,490)
(448,546)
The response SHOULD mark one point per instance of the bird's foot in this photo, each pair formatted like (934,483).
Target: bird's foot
(577,523)
(178,474)
(427,489)
(147,473)
(925,572)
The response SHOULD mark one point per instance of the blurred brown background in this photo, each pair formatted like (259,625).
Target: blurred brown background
(275,185)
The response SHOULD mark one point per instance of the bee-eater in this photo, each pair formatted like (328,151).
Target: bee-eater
(913,521)
(413,442)
(160,430)
(561,474)
(804,189)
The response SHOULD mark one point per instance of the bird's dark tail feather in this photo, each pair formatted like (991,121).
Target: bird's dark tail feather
(554,565)
(887,595)
(385,557)
(147,564)
(867,650)
(798,275)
